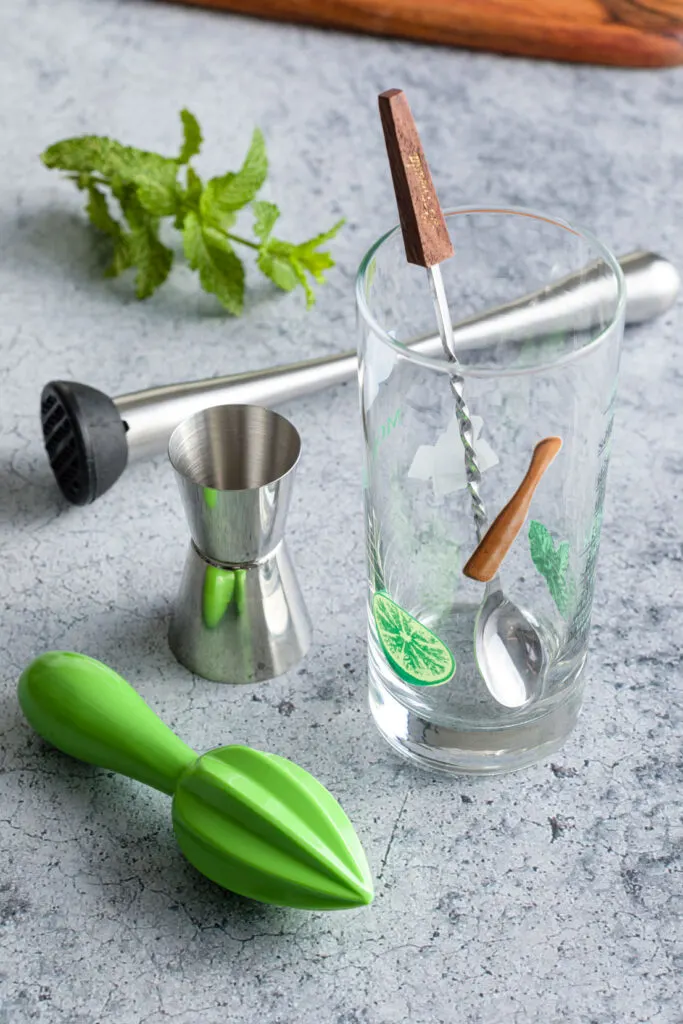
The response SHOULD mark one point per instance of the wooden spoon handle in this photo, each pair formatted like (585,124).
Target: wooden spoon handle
(425,233)
(487,557)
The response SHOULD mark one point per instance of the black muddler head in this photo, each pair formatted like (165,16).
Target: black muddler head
(85,439)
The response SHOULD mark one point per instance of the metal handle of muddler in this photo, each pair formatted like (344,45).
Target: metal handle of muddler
(90,437)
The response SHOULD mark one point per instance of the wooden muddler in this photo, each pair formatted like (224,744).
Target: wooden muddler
(487,557)
(425,233)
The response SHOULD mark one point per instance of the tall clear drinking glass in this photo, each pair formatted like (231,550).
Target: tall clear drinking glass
(523,381)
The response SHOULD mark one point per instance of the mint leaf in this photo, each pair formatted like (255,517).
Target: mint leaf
(152,259)
(315,263)
(147,188)
(84,154)
(552,563)
(313,243)
(98,211)
(192,137)
(287,265)
(233,191)
(279,269)
(302,279)
(153,175)
(148,255)
(212,211)
(250,178)
(122,257)
(193,188)
(190,197)
(265,216)
(158,190)
(220,270)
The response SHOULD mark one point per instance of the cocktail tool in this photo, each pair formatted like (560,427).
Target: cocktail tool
(515,674)
(507,647)
(255,823)
(239,616)
(90,437)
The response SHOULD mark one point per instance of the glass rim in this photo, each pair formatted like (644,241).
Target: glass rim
(440,363)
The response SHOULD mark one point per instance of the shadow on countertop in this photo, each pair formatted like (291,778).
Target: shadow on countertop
(29,495)
(60,244)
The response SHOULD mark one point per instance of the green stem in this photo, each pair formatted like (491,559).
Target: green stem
(93,180)
(242,241)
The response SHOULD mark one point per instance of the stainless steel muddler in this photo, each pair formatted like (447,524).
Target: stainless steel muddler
(90,437)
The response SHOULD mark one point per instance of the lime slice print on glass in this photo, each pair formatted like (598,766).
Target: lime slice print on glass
(413,651)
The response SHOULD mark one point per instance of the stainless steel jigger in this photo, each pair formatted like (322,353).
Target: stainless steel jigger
(239,616)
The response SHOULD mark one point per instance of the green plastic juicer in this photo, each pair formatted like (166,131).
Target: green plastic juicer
(255,823)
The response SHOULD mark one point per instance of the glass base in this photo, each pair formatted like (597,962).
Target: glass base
(469,751)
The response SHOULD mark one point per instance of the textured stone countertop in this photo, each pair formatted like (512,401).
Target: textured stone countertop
(549,896)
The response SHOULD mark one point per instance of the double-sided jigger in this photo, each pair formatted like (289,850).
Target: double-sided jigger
(240,616)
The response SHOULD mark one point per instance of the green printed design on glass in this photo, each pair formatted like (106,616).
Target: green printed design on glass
(390,425)
(415,653)
(553,564)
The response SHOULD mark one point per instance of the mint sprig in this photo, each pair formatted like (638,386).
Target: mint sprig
(130,191)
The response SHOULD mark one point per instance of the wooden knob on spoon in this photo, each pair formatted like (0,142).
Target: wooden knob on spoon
(423,224)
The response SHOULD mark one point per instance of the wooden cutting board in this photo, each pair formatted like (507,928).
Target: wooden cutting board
(628,33)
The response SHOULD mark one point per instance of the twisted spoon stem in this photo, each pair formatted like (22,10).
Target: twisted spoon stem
(462,412)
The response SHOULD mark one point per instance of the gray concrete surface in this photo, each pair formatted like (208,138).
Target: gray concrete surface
(550,896)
